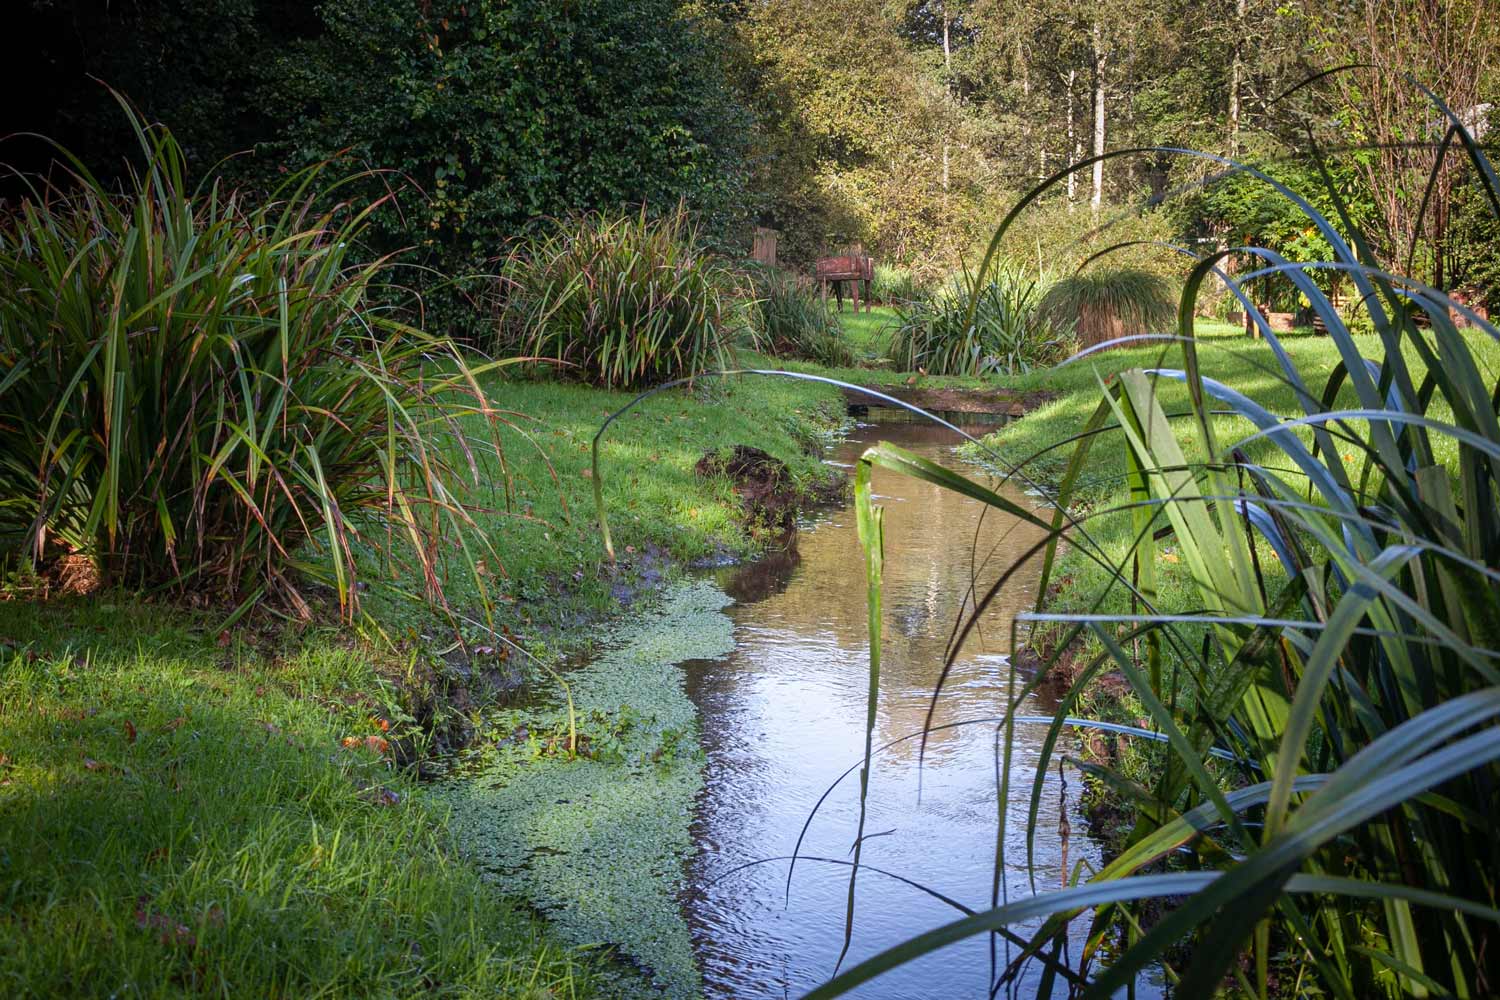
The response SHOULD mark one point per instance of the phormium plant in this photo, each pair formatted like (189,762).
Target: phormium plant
(620,300)
(792,320)
(979,325)
(194,393)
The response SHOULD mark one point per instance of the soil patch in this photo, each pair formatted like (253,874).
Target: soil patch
(1003,402)
(770,496)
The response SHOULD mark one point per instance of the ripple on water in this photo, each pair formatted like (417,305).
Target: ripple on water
(782,716)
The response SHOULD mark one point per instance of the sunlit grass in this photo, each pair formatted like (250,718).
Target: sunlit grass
(180,818)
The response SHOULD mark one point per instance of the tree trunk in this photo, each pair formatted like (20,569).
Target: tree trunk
(1100,62)
(1072,142)
(1236,76)
(948,86)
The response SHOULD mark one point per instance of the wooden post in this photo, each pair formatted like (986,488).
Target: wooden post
(764,249)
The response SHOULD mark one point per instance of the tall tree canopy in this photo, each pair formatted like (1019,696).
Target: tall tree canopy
(908,125)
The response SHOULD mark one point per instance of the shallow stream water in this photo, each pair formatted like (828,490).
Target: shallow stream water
(783,717)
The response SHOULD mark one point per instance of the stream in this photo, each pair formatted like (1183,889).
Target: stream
(783,715)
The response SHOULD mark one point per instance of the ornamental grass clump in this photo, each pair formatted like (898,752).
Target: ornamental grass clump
(621,301)
(1104,305)
(979,326)
(196,396)
(792,320)
(895,286)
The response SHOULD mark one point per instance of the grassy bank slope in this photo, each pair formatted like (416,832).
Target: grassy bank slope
(181,818)
(179,810)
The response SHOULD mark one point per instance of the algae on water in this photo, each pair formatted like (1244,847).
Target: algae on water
(598,841)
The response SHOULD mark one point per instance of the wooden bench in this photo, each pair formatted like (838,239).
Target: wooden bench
(853,268)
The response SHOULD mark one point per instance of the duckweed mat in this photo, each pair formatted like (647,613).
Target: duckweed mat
(597,839)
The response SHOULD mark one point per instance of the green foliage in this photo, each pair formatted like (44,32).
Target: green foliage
(178,819)
(620,300)
(851,136)
(793,320)
(1327,690)
(484,115)
(896,285)
(1244,210)
(1107,304)
(978,326)
(195,393)
(503,112)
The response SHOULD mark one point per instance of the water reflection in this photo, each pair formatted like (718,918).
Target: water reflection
(783,717)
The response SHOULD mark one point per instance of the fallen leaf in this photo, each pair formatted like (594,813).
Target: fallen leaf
(174,725)
(172,932)
(129,731)
(90,764)
(384,797)
(223,639)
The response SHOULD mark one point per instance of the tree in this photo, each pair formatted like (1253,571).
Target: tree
(483,115)
(1446,45)
(855,120)
(499,113)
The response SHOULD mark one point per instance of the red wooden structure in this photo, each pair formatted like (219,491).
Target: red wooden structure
(854,268)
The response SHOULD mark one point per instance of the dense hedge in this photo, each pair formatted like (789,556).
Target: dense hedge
(490,113)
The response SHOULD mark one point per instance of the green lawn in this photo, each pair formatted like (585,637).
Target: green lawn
(178,811)
(869,332)
(180,818)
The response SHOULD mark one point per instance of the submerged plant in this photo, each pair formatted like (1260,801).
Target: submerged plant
(620,300)
(196,394)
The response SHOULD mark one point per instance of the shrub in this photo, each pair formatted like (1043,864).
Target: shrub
(978,327)
(194,393)
(895,285)
(1107,305)
(620,300)
(793,320)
